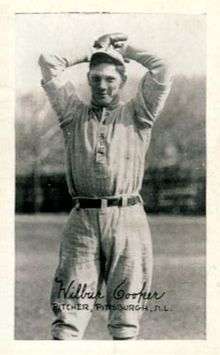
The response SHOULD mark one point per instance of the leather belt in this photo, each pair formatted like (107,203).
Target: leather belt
(102,203)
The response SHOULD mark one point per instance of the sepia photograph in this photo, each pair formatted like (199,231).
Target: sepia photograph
(110,205)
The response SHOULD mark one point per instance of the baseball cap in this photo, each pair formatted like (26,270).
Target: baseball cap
(108,52)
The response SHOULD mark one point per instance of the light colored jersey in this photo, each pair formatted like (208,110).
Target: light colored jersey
(106,157)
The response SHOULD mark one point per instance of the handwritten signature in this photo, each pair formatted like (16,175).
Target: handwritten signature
(85,291)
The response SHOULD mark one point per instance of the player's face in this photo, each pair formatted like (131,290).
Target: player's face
(105,83)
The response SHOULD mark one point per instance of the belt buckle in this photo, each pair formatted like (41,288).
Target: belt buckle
(104,203)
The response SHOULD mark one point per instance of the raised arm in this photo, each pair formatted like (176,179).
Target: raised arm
(53,65)
(62,95)
(153,88)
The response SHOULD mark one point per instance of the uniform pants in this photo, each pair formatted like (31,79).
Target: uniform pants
(111,245)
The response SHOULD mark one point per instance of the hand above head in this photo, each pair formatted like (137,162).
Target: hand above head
(116,40)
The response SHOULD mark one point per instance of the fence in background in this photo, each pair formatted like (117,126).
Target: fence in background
(167,190)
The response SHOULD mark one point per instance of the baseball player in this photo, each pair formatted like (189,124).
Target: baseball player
(107,236)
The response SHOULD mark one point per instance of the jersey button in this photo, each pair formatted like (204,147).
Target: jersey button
(101,149)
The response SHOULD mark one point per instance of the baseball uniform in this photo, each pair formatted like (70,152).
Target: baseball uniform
(105,151)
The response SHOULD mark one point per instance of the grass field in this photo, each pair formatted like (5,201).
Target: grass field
(179,268)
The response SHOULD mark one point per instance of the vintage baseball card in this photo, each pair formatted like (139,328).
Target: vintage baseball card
(109,178)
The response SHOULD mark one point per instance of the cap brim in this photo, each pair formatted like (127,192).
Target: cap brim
(116,57)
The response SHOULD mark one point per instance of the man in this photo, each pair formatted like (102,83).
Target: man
(107,237)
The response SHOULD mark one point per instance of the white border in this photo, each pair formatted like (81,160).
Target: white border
(9,346)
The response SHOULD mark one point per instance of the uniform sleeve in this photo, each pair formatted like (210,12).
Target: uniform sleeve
(62,95)
(153,88)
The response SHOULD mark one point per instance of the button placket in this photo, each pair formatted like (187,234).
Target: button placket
(101,148)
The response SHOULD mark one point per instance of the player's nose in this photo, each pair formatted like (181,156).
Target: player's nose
(102,84)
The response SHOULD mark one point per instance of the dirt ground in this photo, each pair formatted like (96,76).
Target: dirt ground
(179,268)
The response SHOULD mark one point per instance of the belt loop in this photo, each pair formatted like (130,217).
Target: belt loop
(124,201)
(77,205)
(104,203)
(140,199)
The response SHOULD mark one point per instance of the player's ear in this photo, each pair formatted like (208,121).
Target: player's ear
(88,78)
(123,81)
